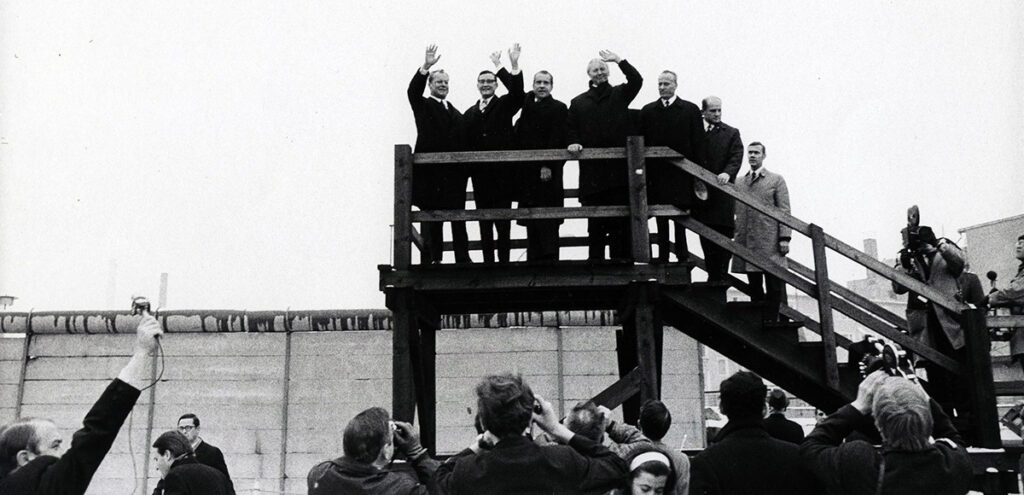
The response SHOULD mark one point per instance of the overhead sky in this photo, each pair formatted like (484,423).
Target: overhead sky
(246,148)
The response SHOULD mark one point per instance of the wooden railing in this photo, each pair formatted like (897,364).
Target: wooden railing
(814,281)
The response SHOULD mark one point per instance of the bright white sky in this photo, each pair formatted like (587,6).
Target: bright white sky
(246,147)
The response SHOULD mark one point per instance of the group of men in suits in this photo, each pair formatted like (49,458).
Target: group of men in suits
(598,117)
(189,464)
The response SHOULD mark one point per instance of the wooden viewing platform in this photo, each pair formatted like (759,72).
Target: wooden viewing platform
(648,296)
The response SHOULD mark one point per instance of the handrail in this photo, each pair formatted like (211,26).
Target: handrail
(539,155)
(831,242)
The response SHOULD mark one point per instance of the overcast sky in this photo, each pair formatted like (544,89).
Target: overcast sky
(246,148)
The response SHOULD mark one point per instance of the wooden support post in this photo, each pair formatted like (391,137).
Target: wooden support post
(985,419)
(640,238)
(403,207)
(426,390)
(23,369)
(644,330)
(626,352)
(828,335)
(406,325)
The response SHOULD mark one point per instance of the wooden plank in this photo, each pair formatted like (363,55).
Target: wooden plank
(979,379)
(403,206)
(618,392)
(566,193)
(502,158)
(547,213)
(23,372)
(830,242)
(417,238)
(872,307)
(1005,321)
(595,276)
(845,307)
(639,235)
(828,334)
(891,273)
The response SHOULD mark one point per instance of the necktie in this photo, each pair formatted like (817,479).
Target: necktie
(710,128)
(665,103)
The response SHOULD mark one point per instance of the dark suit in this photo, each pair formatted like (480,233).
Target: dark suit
(723,153)
(778,426)
(439,127)
(344,476)
(187,476)
(486,130)
(745,460)
(600,118)
(71,473)
(678,126)
(541,126)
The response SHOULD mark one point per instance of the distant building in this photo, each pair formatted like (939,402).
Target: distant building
(989,247)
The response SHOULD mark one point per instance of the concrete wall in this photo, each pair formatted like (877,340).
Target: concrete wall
(237,383)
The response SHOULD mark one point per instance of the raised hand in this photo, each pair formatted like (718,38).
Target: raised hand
(431,57)
(513,54)
(609,56)
(496,58)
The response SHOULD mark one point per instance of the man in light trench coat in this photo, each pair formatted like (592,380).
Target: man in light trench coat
(761,233)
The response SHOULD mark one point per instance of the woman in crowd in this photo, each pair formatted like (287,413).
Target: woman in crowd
(650,472)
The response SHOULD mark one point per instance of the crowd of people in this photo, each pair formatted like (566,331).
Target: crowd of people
(596,118)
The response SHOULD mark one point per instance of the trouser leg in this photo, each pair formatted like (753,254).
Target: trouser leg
(716,258)
(433,241)
(487,240)
(504,245)
(682,249)
(756,282)
(663,238)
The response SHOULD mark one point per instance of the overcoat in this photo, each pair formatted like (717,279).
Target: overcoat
(71,473)
(439,127)
(723,152)
(756,230)
(599,118)
(679,127)
(541,126)
(188,476)
(491,129)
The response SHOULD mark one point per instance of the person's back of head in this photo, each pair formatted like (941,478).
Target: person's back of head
(777,400)
(174,442)
(505,404)
(902,414)
(586,420)
(655,419)
(366,435)
(14,438)
(741,396)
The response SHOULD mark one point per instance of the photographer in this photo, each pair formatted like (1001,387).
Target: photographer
(921,452)
(939,264)
(369,443)
(503,460)
(1012,297)
(32,456)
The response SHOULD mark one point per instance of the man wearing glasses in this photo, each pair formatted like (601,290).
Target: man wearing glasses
(188,425)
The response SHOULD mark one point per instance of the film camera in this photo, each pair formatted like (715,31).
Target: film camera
(887,356)
(917,238)
(140,306)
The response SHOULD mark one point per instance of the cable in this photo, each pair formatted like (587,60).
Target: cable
(131,415)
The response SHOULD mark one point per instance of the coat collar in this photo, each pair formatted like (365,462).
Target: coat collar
(742,427)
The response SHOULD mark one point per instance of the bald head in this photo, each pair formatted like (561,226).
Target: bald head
(711,109)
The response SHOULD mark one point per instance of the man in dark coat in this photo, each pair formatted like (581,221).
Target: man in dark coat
(188,425)
(723,156)
(181,473)
(776,424)
(369,442)
(439,127)
(489,127)
(744,458)
(909,462)
(541,126)
(31,460)
(676,123)
(599,118)
(503,461)
(1012,297)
